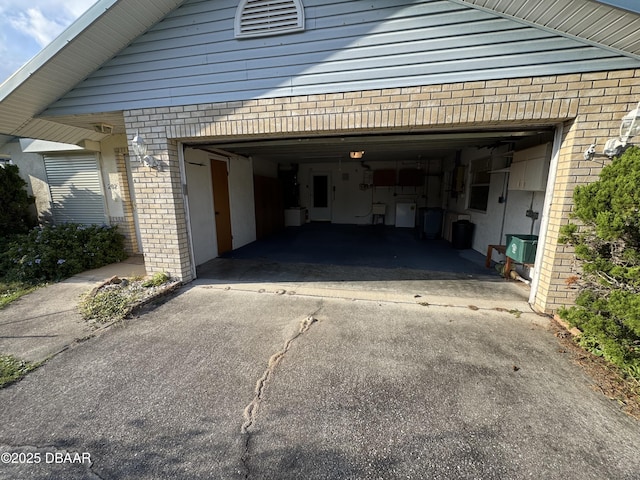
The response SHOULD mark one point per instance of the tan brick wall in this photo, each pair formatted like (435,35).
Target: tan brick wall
(590,105)
(160,203)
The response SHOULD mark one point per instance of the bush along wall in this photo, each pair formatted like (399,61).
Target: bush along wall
(52,253)
(15,214)
(605,232)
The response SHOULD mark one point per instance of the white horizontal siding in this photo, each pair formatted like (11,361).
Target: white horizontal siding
(192,56)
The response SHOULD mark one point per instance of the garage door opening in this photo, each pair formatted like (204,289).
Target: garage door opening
(313,202)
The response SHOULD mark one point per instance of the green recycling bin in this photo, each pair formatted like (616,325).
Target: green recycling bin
(522,248)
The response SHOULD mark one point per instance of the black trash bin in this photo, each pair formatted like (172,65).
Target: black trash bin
(462,234)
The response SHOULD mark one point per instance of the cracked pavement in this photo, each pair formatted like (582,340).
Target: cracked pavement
(342,388)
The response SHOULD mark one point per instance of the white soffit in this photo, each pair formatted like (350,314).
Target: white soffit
(101,32)
(30,145)
(599,24)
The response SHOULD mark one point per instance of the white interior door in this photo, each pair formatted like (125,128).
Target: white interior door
(321,197)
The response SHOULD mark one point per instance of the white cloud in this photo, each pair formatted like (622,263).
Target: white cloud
(32,22)
(26,27)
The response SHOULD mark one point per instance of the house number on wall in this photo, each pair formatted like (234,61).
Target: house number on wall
(114,187)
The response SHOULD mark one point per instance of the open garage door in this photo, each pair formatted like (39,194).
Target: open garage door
(365,180)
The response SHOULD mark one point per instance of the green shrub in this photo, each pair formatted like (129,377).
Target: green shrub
(15,214)
(156,280)
(52,253)
(606,239)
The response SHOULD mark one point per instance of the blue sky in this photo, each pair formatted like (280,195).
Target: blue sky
(26,26)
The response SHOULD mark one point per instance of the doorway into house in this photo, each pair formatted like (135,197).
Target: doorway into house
(320,210)
(222,209)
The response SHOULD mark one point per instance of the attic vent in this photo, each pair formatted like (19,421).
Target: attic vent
(255,18)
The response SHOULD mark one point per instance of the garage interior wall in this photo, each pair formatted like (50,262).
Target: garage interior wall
(241,199)
(202,208)
(507,208)
(353,192)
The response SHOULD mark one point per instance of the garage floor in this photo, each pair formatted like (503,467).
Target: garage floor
(363,245)
(365,263)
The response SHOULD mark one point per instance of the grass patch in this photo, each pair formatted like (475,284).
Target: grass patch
(109,305)
(115,300)
(13,369)
(515,312)
(11,291)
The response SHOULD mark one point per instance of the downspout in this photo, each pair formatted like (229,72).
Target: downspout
(546,211)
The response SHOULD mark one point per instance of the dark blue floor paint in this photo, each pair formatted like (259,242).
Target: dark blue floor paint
(362,245)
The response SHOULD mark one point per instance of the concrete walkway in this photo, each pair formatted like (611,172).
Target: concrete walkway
(46,321)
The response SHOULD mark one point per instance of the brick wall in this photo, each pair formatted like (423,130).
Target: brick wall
(589,105)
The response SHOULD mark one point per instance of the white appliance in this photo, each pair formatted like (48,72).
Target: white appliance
(405,215)
(294,217)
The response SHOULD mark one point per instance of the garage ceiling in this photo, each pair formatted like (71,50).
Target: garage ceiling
(378,148)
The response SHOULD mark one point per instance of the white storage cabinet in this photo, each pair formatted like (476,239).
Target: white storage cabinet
(530,168)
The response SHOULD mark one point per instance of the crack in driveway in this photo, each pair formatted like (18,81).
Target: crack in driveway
(251,410)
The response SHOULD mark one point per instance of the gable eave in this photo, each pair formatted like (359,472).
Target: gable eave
(95,37)
(111,25)
(588,21)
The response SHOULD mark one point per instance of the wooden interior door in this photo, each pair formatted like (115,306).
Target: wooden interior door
(221,206)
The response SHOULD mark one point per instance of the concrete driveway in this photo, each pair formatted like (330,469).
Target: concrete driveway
(251,380)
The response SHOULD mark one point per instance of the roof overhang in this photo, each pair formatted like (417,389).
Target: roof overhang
(95,37)
(589,21)
(110,25)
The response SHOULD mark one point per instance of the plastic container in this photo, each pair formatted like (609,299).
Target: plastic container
(430,220)
(522,248)
(462,234)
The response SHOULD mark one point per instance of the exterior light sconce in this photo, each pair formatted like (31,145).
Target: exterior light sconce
(629,128)
(356,155)
(103,128)
(140,151)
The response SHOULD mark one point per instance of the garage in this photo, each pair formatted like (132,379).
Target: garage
(445,99)
(429,201)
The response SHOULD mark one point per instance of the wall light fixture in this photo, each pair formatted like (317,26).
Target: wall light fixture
(629,128)
(140,151)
